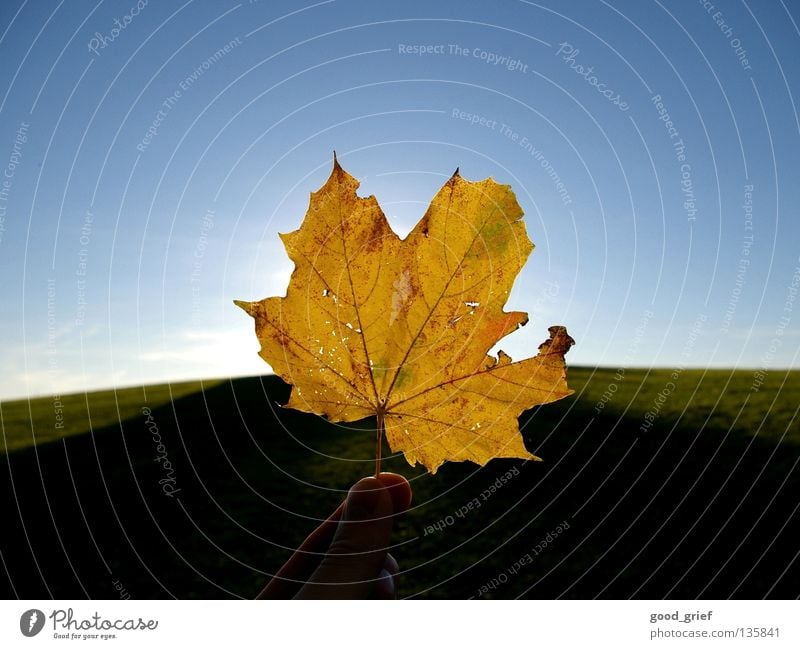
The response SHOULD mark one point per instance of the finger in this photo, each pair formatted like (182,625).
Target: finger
(385,587)
(390,565)
(399,490)
(305,560)
(359,547)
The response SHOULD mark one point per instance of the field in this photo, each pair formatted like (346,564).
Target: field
(701,503)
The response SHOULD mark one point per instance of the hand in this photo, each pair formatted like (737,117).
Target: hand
(347,557)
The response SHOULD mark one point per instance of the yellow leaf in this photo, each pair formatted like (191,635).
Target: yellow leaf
(372,325)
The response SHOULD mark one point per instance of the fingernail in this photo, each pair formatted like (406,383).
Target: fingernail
(362,502)
(386,581)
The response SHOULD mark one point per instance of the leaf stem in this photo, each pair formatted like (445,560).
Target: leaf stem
(379,442)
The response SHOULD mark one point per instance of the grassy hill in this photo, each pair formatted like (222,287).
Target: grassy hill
(33,421)
(702,502)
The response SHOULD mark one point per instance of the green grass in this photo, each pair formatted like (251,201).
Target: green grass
(716,399)
(26,422)
(710,400)
(702,503)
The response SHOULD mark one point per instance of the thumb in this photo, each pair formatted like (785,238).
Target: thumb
(358,550)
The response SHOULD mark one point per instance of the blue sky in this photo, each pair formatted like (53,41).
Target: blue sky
(149,164)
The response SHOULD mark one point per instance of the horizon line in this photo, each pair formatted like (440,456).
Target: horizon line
(218,379)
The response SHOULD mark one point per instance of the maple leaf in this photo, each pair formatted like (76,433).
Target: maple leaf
(400,329)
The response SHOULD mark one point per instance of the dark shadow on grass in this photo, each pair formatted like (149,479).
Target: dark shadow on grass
(673,513)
